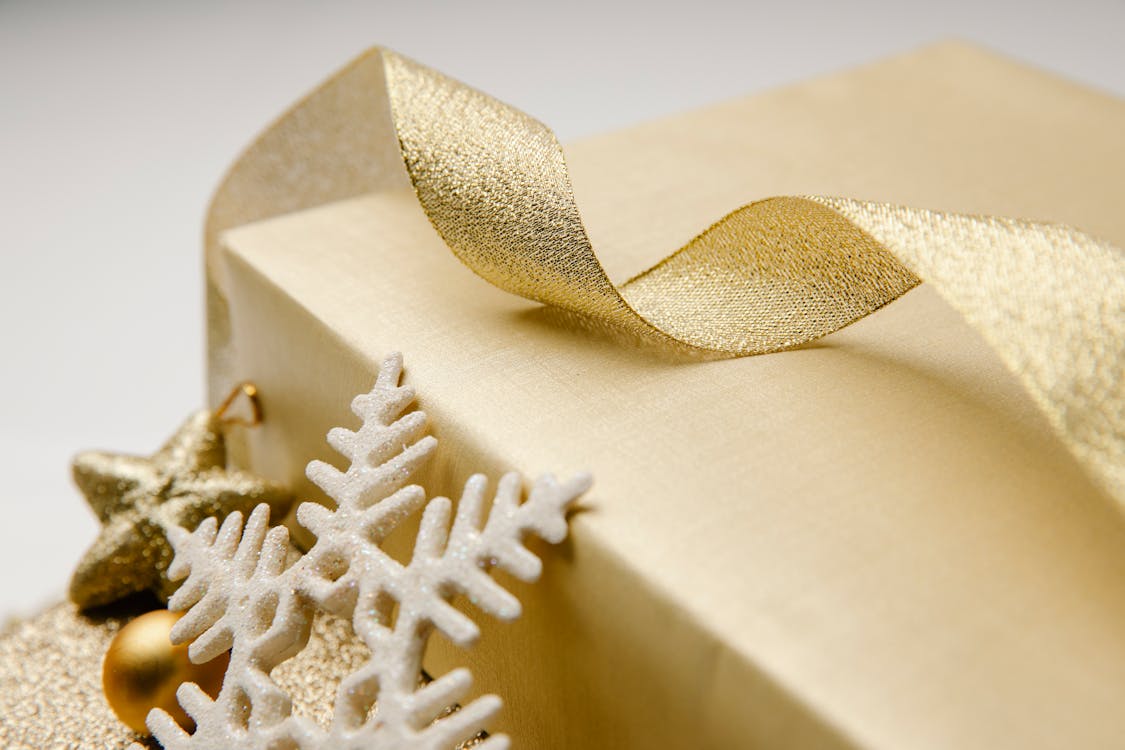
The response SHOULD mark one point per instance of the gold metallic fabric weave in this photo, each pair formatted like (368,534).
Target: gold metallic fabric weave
(777,273)
(770,276)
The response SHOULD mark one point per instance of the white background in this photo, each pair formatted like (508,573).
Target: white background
(118,118)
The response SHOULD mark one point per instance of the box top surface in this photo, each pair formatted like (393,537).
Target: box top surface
(881,522)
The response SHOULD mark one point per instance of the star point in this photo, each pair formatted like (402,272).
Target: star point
(139,500)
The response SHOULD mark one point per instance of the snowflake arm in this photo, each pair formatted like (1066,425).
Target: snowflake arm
(372,496)
(239,594)
(457,560)
(238,597)
(447,562)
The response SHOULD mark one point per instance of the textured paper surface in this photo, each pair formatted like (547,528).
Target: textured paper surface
(873,542)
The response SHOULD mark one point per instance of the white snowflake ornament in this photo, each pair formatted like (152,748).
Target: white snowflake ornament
(241,596)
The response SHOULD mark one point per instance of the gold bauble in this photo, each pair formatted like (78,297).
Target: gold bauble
(142,670)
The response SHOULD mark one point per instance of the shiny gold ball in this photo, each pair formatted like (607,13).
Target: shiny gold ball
(142,670)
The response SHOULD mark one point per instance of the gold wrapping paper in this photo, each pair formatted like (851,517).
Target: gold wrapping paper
(873,541)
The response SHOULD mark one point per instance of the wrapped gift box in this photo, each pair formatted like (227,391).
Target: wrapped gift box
(874,541)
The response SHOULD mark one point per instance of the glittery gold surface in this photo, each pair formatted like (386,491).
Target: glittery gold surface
(776,273)
(138,499)
(769,276)
(51,683)
(51,672)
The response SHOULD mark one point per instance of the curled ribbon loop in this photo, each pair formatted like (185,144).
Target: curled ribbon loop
(770,276)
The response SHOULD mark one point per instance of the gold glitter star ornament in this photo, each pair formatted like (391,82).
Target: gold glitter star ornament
(137,500)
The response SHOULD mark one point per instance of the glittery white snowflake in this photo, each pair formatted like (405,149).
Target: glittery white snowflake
(240,596)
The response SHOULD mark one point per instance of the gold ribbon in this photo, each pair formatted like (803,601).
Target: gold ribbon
(770,276)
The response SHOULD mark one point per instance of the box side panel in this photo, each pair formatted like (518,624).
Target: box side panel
(880,524)
(584,666)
